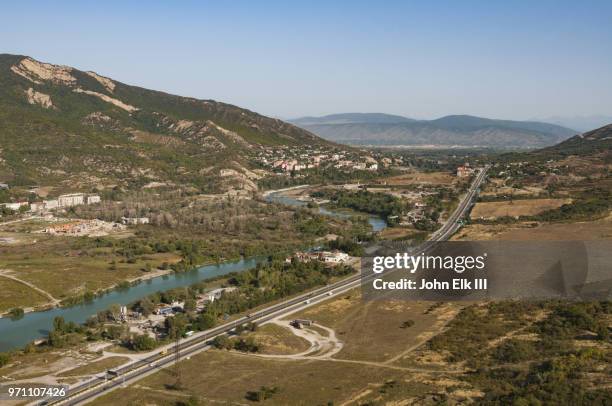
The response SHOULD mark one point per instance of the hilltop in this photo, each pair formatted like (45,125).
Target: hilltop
(595,142)
(456,130)
(63,126)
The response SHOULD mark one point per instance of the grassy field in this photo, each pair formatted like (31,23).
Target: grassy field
(14,294)
(63,267)
(375,338)
(222,377)
(374,331)
(416,178)
(95,367)
(493,189)
(532,231)
(515,208)
(275,339)
(395,233)
(26,366)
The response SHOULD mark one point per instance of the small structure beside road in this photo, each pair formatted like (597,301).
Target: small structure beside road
(300,323)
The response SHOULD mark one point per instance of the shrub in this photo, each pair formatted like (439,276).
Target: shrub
(4,359)
(16,313)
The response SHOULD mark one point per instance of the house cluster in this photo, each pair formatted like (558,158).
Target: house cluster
(328,257)
(212,295)
(134,220)
(360,166)
(415,214)
(465,171)
(153,324)
(201,301)
(90,228)
(284,160)
(171,309)
(63,201)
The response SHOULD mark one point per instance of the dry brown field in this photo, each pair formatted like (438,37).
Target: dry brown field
(416,178)
(515,208)
(585,230)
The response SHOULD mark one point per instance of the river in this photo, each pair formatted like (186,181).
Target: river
(34,325)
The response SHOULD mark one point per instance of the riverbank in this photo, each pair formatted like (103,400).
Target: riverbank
(273,191)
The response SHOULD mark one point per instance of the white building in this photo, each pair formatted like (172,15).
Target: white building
(51,204)
(15,206)
(37,206)
(335,257)
(72,199)
(216,294)
(93,199)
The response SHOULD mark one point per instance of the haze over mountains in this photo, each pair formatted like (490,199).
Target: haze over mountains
(59,125)
(580,123)
(451,131)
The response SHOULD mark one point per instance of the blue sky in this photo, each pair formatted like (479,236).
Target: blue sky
(513,60)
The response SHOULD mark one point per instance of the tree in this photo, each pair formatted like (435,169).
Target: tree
(56,339)
(4,359)
(205,321)
(59,324)
(190,305)
(176,326)
(115,311)
(143,343)
(262,394)
(222,342)
(246,345)
(16,313)
(145,306)
(115,332)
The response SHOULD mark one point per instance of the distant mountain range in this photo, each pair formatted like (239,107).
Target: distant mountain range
(63,126)
(451,131)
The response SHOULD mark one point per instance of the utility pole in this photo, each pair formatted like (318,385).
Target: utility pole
(177,357)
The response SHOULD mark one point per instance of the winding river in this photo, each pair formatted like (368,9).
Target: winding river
(34,325)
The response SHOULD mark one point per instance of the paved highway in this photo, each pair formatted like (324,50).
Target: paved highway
(198,342)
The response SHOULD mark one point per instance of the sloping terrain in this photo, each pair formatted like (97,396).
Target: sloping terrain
(465,131)
(595,142)
(59,125)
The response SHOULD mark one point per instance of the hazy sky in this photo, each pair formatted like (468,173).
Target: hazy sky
(498,59)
